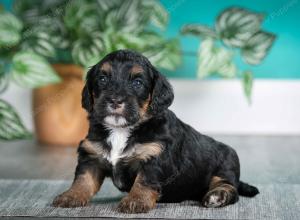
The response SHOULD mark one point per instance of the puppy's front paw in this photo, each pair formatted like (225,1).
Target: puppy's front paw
(70,199)
(215,199)
(135,205)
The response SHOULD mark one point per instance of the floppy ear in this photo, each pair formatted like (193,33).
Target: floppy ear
(162,94)
(87,99)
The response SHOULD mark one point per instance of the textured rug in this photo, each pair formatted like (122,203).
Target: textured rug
(33,198)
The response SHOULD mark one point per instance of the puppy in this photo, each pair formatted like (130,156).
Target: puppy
(143,147)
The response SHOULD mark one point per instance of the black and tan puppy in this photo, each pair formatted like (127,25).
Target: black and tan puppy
(143,147)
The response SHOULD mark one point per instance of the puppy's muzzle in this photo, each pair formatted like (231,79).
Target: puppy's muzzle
(116,105)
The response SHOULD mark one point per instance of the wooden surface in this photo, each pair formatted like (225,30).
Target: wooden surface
(264,159)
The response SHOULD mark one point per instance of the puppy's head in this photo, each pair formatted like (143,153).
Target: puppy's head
(124,89)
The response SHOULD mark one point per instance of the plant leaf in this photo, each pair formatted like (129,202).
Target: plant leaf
(198,30)
(215,60)
(3,77)
(236,25)
(82,18)
(31,70)
(11,126)
(248,84)
(33,12)
(257,47)
(39,43)
(159,15)
(4,80)
(10,28)
(86,50)
(166,56)
(105,5)
(128,16)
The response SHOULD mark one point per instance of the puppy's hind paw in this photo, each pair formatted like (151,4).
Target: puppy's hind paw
(215,199)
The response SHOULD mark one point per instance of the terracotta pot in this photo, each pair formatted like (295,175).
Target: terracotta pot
(58,116)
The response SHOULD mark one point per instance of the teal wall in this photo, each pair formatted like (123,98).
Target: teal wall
(6,3)
(282,18)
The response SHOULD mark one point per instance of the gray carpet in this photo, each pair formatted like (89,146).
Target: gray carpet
(33,198)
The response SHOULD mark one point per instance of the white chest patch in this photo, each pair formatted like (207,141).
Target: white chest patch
(118,140)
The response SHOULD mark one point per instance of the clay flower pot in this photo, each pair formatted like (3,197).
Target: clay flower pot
(58,116)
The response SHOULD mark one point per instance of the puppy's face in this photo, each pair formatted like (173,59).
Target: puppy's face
(121,93)
(124,88)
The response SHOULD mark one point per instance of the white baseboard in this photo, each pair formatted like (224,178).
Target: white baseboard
(218,106)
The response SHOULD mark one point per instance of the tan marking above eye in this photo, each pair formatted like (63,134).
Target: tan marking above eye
(106,67)
(136,69)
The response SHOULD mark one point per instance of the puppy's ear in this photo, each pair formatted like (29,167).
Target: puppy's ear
(87,98)
(162,94)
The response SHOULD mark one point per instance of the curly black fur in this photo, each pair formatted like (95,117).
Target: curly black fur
(188,167)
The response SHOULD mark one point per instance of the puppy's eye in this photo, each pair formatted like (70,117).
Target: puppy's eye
(137,83)
(103,79)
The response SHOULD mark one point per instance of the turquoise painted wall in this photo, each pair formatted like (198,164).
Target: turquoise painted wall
(282,18)
(6,3)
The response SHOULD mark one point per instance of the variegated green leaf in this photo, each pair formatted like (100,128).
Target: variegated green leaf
(236,25)
(84,51)
(3,77)
(33,12)
(111,21)
(248,84)
(257,47)
(215,60)
(198,30)
(11,126)
(61,42)
(159,15)
(58,34)
(128,16)
(166,56)
(105,5)
(39,43)
(82,18)
(107,39)
(31,70)
(133,41)
(10,29)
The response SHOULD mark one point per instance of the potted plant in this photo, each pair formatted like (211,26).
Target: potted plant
(72,36)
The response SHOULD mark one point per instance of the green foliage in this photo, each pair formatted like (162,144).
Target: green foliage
(256,47)
(3,77)
(39,43)
(87,30)
(247,83)
(31,70)
(236,25)
(11,126)
(10,27)
(214,59)
(236,29)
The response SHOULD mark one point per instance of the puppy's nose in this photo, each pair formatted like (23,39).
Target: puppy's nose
(116,103)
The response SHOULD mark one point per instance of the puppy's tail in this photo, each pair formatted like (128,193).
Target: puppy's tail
(247,190)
